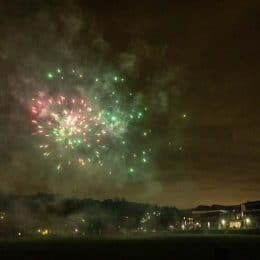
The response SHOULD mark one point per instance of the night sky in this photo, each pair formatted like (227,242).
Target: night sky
(194,63)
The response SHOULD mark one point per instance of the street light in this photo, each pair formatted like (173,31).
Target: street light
(248,221)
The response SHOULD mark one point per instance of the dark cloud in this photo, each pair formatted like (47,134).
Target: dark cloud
(195,59)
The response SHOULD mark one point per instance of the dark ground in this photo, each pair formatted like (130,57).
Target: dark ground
(175,247)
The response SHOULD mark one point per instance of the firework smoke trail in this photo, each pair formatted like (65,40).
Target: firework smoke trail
(101,130)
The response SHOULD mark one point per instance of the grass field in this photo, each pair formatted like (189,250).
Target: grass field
(174,247)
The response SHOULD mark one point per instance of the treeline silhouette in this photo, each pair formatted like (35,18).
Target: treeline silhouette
(28,213)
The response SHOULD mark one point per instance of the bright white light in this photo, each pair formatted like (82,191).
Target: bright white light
(248,221)
(223,222)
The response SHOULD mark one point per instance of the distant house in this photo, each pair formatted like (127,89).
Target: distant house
(250,212)
(217,217)
(210,219)
(244,216)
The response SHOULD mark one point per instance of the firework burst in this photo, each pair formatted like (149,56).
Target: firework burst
(99,129)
